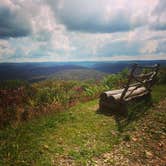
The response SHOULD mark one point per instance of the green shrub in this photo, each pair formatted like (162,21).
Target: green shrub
(116,80)
(13,84)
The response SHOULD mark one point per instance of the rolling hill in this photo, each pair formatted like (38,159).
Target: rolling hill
(34,72)
(78,74)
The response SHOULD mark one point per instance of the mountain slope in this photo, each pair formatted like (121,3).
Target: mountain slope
(82,136)
(78,74)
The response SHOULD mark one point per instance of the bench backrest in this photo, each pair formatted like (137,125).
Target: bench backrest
(140,76)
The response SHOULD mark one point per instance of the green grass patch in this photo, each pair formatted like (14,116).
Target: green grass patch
(159,92)
(79,133)
(76,135)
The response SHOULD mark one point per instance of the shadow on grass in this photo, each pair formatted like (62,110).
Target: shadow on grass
(129,112)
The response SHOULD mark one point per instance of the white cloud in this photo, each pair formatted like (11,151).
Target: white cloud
(150,47)
(6,50)
(104,16)
(75,30)
(46,27)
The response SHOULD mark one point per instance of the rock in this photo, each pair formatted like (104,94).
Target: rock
(148,154)
(46,147)
(134,139)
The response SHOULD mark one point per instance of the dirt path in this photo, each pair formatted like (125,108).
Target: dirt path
(145,146)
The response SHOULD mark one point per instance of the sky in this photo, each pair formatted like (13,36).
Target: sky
(82,30)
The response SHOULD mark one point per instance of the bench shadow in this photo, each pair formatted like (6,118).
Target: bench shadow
(129,112)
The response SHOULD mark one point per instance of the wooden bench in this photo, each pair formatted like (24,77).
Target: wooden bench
(139,84)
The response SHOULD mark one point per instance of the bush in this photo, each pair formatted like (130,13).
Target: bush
(116,80)
(13,84)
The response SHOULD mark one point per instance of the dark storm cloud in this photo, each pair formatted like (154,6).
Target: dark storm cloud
(94,17)
(13,23)
(119,23)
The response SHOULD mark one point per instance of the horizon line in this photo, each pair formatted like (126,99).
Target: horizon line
(82,61)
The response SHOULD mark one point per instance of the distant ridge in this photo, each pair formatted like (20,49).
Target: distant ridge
(37,71)
(78,74)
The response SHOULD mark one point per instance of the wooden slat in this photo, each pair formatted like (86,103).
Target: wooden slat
(129,81)
(144,76)
(114,92)
(141,87)
(145,80)
(135,92)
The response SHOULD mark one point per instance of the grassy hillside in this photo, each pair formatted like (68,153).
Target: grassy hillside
(72,130)
(33,72)
(78,74)
(21,101)
(80,135)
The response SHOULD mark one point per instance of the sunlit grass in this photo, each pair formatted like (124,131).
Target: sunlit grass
(76,135)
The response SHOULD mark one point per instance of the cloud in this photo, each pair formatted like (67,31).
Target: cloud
(97,16)
(160,7)
(46,39)
(5,47)
(63,30)
(6,50)
(161,47)
(159,15)
(13,22)
(150,47)
(121,47)
(48,31)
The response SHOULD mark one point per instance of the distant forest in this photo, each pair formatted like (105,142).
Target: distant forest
(34,72)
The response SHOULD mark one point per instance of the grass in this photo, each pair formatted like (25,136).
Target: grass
(20,101)
(74,136)
(158,92)
(79,133)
